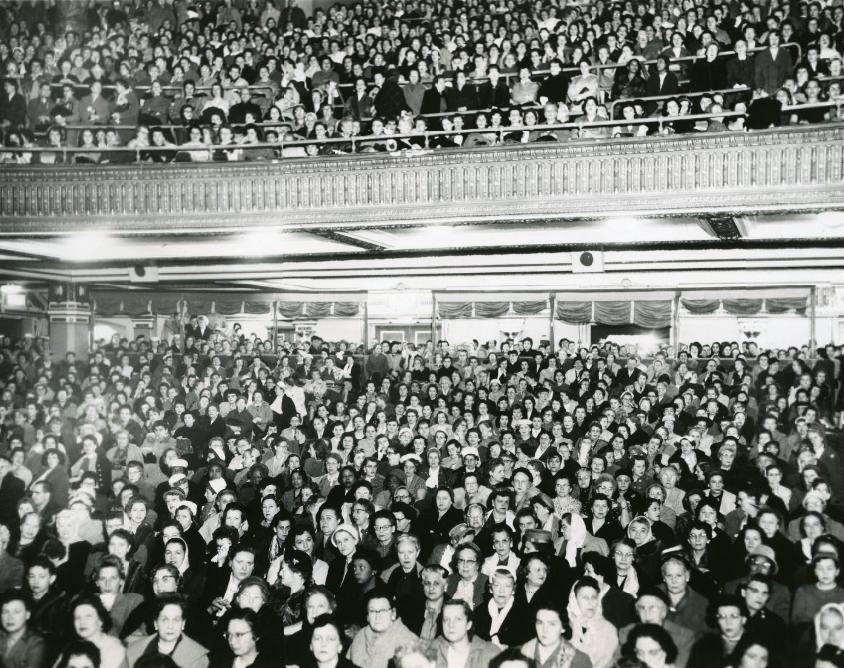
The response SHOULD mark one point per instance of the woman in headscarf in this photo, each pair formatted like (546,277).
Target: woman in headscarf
(177,553)
(617,606)
(591,633)
(829,626)
(647,547)
(575,539)
(69,553)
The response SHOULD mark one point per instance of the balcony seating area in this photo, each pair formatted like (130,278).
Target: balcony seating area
(124,81)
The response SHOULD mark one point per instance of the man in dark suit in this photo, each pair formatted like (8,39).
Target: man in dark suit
(463,96)
(434,100)
(495,93)
(662,81)
(359,104)
(740,68)
(12,106)
(293,15)
(772,65)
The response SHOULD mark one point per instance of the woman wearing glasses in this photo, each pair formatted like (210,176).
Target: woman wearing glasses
(241,648)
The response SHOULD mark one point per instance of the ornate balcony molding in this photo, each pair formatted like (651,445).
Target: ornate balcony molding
(792,169)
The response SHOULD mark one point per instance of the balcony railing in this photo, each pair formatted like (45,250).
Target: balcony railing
(799,168)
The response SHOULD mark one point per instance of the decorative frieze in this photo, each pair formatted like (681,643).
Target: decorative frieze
(790,169)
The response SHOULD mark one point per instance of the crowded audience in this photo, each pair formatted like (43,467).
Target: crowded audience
(203,500)
(233,80)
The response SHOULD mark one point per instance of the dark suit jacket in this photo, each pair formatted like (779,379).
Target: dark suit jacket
(669,86)
(770,72)
(463,97)
(434,102)
(11,571)
(12,489)
(517,627)
(492,98)
(741,72)
(359,108)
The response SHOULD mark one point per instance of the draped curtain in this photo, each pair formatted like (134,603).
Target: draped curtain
(491,309)
(346,309)
(653,314)
(574,313)
(612,313)
(742,306)
(290,309)
(530,308)
(165,302)
(454,309)
(108,303)
(783,304)
(228,305)
(701,306)
(317,309)
(257,307)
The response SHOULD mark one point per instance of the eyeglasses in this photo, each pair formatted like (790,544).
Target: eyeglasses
(732,616)
(236,636)
(379,612)
(623,555)
(467,562)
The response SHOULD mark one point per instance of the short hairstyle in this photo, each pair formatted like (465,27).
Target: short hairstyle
(17,595)
(460,603)
(81,648)
(97,604)
(244,615)
(512,655)
(506,573)
(409,538)
(656,633)
(164,600)
(421,647)
(327,620)
(377,594)
(585,582)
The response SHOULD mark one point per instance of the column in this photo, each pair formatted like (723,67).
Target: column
(70,320)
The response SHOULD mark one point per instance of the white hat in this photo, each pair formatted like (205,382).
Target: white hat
(217,485)
(181,463)
(349,529)
(411,458)
(176,478)
(469,450)
(190,505)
